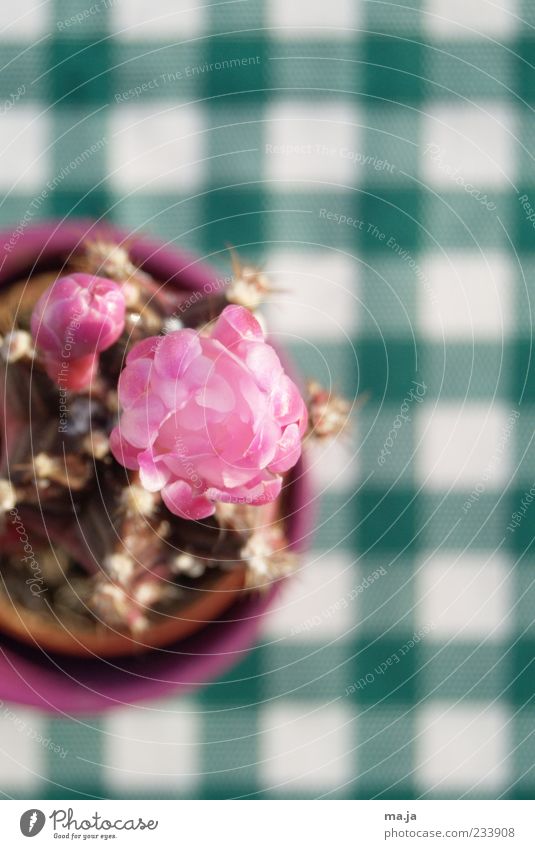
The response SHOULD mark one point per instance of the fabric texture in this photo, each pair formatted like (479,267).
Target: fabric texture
(376,158)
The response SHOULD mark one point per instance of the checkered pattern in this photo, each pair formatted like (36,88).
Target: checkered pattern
(415,121)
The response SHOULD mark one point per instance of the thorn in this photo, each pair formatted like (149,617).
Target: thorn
(69,471)
(171,324)
(328,412)
(8,496)
(96,444)
(16,345)
(139,501)
(249,285)
(131,295)
(119,566)
(187,564)
(267,559)
(106,259)
(44,465)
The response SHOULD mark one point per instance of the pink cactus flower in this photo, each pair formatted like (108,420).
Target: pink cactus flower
(74,375)
(77,316)
(209,418)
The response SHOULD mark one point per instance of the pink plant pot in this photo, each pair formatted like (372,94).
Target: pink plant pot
(66,685)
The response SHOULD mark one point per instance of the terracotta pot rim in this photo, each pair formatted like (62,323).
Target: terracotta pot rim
(66,685)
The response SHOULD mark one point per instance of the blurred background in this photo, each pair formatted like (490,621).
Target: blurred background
(376,159)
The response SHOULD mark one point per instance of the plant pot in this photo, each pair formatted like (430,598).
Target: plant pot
(70,672)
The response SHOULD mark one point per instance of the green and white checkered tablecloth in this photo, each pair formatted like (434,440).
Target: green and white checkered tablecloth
(377,158)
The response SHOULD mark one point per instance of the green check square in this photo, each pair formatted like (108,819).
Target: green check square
(390,135)
(145,72)
(522,222)
(522,688)
(385,671)
(465,369)
(386,521)
(171,217)
(393,69)
(305,670)
(524,294)
(523,749)
(24,78)
(403,16)
(385,753)
(525,67)
(236,17)
(525,152)
(77,766)
(241,687)
(388,290)
(334,365)
(334,521)
(79,19)
(387,604)
(523,379)
(456,220)
(229,751)
(520,526)
(392,220)
(523,448)
(386,443)
(462,670)
(524,589)
(15,208)
(79,203)
(306,69)
(458,70)
(234,144)
(233,68)
(387,368)
(445,524)
(80,150)
(83,72)
(314,219)
(232,216)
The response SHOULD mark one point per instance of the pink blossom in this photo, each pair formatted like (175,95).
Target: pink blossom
(209,418)
(78,315)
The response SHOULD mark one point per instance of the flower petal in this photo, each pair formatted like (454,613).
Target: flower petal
(134,381)
(153,473)
(175,352)
(124,453)
(73,374)
(139,424)
(179,498)
(288,450)
(263,362)
(216,395)
(144,349)
(236,324)
(286,401)
(263,491)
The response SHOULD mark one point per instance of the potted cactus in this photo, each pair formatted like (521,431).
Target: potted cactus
(150,469)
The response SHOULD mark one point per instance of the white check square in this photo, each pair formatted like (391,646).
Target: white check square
(464,446)
(469,149)
(465,296)
(156,746)
(157,147)
(462,747)
(466,595)
(306,746)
